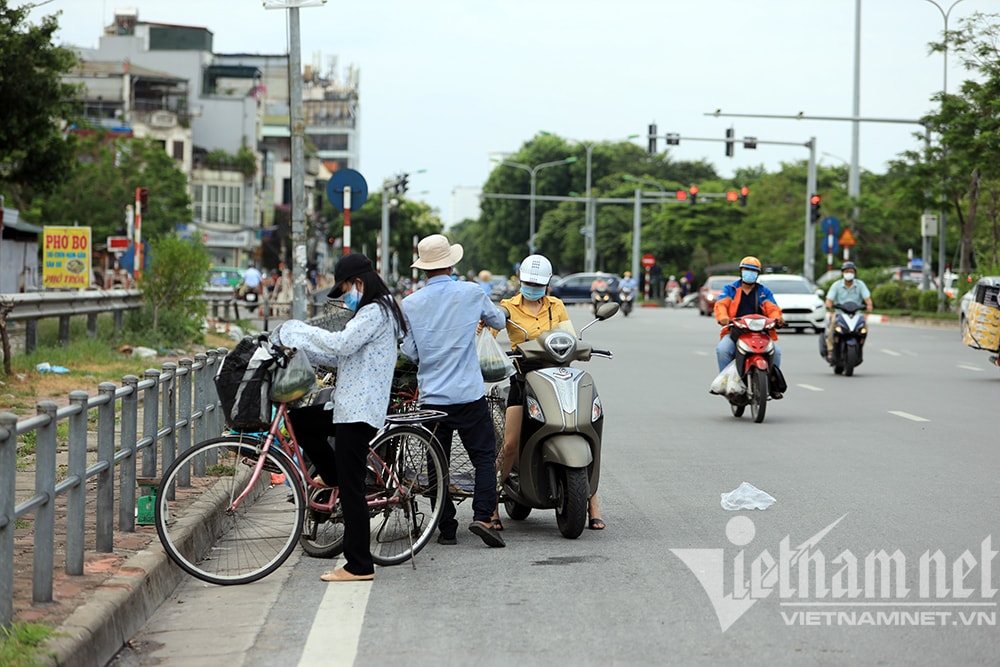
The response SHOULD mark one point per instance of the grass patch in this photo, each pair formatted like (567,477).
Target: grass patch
(22,644)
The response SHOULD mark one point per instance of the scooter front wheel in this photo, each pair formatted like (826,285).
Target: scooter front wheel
(851,361)
(572,494)
(738,409)
(757,390)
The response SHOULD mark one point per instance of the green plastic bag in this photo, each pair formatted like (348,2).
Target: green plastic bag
(293,378)
(493,362)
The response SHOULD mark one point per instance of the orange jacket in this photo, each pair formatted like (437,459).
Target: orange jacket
(728,304)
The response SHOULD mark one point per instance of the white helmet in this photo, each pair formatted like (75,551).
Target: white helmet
(535,269)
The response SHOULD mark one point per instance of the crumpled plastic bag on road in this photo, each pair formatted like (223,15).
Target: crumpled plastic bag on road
(747,497)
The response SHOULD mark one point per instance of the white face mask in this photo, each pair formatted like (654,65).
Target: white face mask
(849,276)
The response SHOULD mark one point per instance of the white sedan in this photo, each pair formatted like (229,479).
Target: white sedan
(798,299)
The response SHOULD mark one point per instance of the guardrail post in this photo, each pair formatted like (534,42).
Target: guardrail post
(64,330)
(168,396)
(129,437)
(105,527)
(201,377)
(8,469)
(92,325)
(76,496)
(119,320)
(183,383)
(45,515)
(212,403)
(30,336)
(150,423)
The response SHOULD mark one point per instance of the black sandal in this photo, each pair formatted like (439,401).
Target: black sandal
(496,525)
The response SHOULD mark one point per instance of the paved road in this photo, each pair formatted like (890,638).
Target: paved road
(894,464)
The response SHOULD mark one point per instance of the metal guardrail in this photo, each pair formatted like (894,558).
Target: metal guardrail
(179,408)
(30,307)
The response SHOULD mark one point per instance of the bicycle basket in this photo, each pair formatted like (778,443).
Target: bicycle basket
(243,383)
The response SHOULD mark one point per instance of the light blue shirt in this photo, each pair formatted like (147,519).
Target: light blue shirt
(364,354)
(840,293)
(441,320)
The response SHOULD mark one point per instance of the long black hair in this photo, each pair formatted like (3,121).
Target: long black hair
(376,291)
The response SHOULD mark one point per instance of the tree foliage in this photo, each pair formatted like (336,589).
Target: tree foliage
(102,182)
(35,152)
(172,286)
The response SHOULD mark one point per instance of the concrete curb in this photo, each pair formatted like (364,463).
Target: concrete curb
(96,631)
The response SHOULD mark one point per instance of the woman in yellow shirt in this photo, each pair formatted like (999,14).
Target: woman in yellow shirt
(535,311)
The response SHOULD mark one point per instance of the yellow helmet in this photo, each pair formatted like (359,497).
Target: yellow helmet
(750,262)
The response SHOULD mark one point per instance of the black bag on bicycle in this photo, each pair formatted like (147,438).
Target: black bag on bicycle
(243,383)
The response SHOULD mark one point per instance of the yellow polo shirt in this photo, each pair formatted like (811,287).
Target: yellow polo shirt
(553,312)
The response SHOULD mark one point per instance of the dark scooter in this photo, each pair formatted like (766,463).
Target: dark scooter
(850,329)
(558,462)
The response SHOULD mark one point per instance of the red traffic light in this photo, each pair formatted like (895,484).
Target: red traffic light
(731,195)
(693,189)
(744,191)
(681,195)
(815,199)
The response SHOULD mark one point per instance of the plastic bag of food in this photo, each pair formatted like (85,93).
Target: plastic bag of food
(493,362)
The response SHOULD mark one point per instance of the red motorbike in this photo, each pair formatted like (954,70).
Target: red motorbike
(754,363)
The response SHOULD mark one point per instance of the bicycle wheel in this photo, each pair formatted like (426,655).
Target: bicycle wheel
(205,535)
(322,532)
(407,479)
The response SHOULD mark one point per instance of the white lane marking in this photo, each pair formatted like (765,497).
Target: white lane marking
(970,368)
(336,629)
(701,352)
(892,352)
(810,387)
(907,415)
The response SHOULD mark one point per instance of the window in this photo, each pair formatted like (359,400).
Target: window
(179,150)
(329,142)
(218,203)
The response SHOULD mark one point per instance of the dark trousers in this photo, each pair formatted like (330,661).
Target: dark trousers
(475,428)
(345,465)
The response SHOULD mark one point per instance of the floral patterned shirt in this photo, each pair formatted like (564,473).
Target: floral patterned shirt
(365,355)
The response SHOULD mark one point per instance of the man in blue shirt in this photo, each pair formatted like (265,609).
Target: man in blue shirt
(441,323)
(848,288)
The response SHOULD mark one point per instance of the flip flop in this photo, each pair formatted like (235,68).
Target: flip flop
(597,524)
(496,525)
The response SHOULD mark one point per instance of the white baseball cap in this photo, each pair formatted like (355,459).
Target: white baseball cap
(535,269)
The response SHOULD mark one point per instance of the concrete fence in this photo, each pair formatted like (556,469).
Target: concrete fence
(179,408)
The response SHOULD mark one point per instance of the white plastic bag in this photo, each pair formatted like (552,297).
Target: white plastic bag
(728,382)
(746,497)
(493,362)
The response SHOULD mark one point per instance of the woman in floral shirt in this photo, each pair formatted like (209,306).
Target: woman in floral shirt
(364,354)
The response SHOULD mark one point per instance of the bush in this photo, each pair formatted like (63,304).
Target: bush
(911,298)
(929,301)
(888,296)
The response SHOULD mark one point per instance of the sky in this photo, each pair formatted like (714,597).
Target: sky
(445,83)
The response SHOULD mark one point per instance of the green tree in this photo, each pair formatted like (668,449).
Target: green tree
(172,285)
(35,153)
(102,182)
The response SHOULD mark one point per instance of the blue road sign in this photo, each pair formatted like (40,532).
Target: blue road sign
(349,178)
(825,246)
(830,225)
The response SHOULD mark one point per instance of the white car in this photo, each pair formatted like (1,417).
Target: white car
(798,299)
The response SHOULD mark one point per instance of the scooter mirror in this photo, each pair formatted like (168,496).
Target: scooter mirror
(607,310)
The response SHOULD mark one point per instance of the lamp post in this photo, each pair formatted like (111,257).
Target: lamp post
(533,171)
(590,219)
(944,91)
(297,128)
(637,217)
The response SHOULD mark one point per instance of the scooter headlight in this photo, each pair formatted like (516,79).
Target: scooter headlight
(864,331)
(839,329)
(596,410)
(535,409)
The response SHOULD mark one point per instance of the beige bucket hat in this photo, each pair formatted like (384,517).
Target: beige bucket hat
(434,252)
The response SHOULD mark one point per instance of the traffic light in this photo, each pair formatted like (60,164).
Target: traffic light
(693,194)
(673,139)
(143,197)
(402,183)
(729,142)
(744,193)
(814,203)
(652,139)
(681,195)
(731,195)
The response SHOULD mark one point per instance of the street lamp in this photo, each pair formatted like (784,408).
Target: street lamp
(590,219)
(531,206)
(944,91)
(636,179)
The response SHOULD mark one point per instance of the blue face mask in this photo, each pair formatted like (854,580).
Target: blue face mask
(352,299)
(749,277)
(532,293)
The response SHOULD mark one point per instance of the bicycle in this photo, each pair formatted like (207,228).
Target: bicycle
(259,500)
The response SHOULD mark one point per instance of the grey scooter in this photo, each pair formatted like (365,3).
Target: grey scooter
(558,461)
